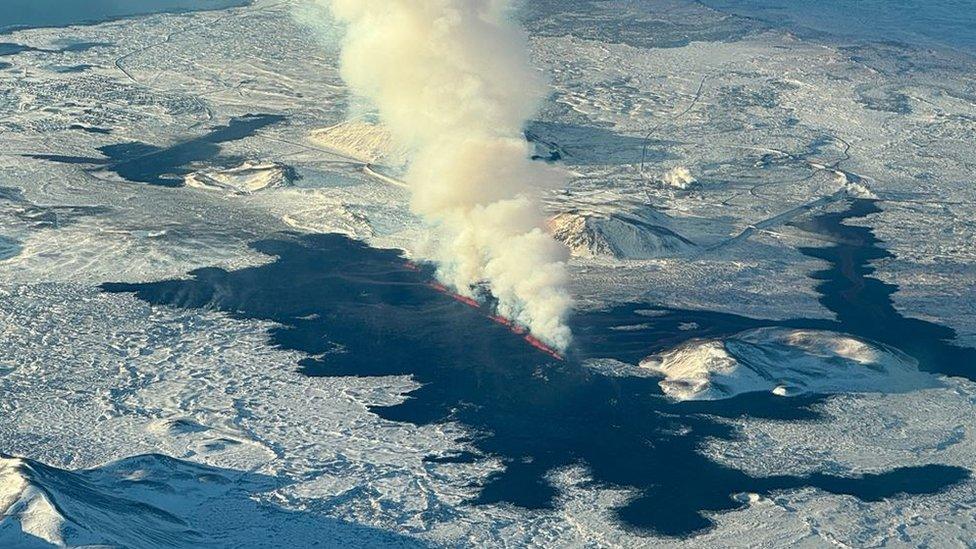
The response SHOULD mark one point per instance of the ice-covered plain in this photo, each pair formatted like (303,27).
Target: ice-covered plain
(215,332)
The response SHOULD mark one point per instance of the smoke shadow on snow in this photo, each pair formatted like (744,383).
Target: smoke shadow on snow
(166,166)
(574,145)
(359,311)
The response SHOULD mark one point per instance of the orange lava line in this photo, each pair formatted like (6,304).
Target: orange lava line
(543,347)
(515,328)
(455,296)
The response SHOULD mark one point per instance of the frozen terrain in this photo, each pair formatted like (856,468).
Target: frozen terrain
(782,218)
(248,178)
(785,363)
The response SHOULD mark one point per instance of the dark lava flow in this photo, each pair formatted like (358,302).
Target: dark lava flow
(359,311)
(863,304)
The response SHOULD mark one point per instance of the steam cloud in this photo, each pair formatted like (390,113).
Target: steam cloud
(450,79)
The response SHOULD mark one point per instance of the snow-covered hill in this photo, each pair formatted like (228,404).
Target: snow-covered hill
(248,178)
(157,501)
(785,362)
(623,235)
(42,505)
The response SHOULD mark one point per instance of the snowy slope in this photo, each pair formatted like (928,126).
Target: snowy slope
(764,120)
(621,235)
(785,362)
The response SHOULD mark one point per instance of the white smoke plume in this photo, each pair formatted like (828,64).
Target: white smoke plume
(450,79)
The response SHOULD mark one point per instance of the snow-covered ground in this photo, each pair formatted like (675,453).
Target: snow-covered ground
(646,97)
(786,363)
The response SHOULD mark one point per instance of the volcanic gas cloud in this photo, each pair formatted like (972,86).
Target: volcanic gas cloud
(451,81)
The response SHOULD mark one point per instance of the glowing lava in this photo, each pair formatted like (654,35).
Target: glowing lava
(512,326)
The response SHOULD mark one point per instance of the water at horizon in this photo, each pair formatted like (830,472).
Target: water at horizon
(18,14)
